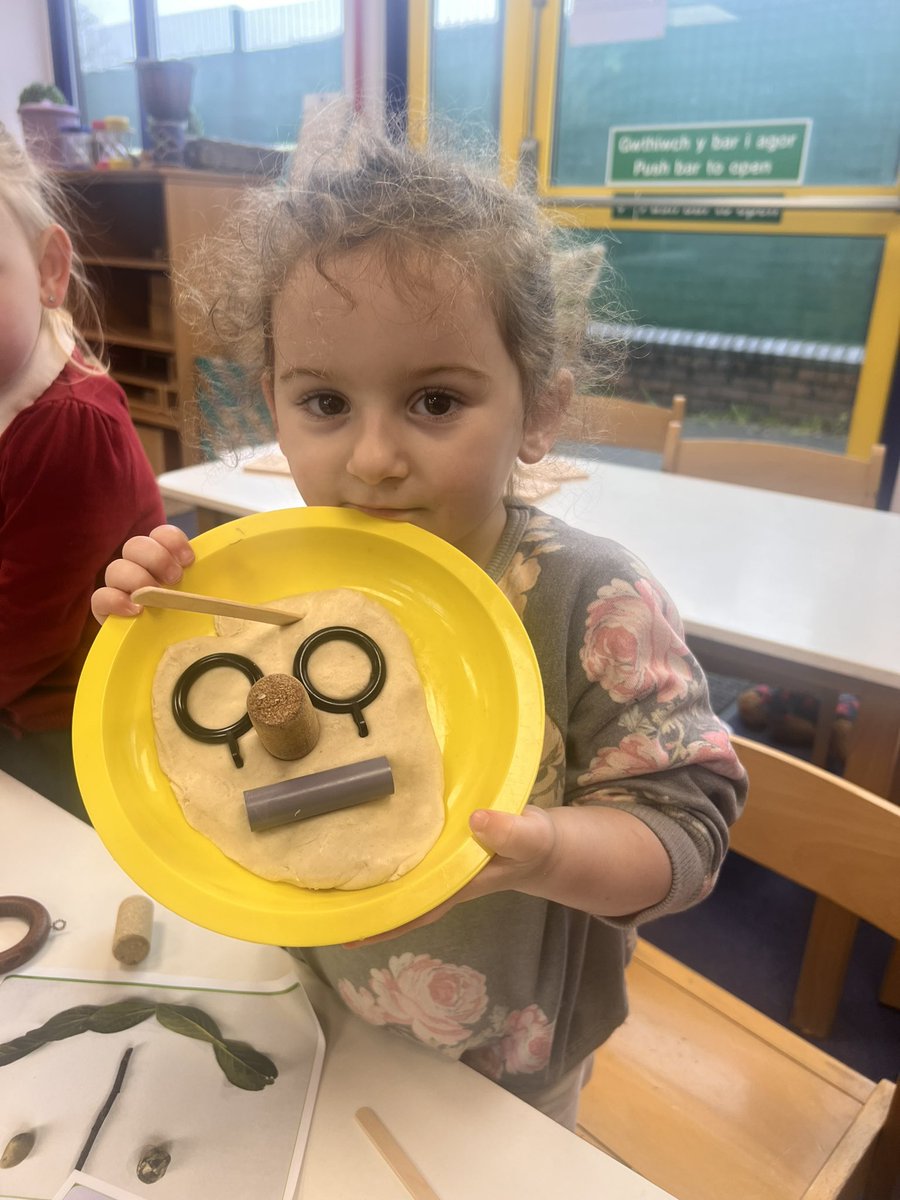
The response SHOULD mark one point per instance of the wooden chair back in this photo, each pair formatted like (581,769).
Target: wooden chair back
(775,467)
(707,1097)
(612,421)
(822,832)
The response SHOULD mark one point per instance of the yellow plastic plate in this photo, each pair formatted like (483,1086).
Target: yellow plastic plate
(483,691)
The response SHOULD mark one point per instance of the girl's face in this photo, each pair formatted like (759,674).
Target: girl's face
(20,298)
(30,276)
(403,406)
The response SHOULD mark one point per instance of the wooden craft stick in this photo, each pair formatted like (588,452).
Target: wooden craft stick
(157,597)
(395,1156)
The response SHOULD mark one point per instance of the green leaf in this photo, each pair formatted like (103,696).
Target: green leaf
(243,1066)
(124,1014)
(189,1021)
(65,1024)
(34,93)
(84,1018)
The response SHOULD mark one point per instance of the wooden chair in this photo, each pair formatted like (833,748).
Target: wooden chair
(775,467)
(614,422)
(805,472)
(707,1097)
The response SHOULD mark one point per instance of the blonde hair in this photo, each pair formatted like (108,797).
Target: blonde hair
(36,202)
(428,216)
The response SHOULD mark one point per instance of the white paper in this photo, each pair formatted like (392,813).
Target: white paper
(225,1141)
(86,1187)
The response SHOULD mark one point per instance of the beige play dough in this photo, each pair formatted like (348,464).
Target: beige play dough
(355,847)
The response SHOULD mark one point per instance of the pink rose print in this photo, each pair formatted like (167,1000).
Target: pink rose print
(715,751)
(528,1041)
(636,754)
(629,646)
(522,1046)
(436,1000)
(361,1001)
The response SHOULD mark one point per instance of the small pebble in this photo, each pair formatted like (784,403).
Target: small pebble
(153,1164)
(17,1149)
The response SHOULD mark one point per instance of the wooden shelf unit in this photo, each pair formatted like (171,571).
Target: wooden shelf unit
(132,229)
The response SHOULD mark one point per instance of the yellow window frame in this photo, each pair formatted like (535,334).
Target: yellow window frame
(527,117)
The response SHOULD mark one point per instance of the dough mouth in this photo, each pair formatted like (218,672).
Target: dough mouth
(353,848)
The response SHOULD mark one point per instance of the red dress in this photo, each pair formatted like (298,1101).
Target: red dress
(75,484)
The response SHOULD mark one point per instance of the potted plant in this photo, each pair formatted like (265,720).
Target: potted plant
(45,114)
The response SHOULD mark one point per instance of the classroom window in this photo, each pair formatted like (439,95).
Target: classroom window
(106,50)
(832,63)
(255,61)
(466,66)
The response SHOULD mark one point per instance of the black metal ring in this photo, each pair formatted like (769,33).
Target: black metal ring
(189,676)
(354,704)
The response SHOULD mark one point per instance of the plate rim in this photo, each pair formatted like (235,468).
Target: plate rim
(151,871)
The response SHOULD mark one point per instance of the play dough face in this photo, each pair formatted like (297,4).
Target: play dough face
(355,847)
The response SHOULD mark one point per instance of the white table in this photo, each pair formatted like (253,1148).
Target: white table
(797,588)
(471,1139)
(773,587)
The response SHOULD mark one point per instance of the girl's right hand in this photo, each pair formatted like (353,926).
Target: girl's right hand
(153,561)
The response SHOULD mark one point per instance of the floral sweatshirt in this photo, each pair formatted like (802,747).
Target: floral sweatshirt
(520,988)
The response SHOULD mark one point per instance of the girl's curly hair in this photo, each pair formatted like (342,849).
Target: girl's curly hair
(429,217)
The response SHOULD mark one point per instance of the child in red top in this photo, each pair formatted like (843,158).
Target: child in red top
(73,476)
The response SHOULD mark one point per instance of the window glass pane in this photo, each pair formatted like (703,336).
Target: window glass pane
(774,287)
(466,50)
(202,30)
(256,61)
(833,62)
(752,329)
(105,45)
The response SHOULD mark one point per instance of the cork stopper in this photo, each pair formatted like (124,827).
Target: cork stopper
(283,716)
(134,927)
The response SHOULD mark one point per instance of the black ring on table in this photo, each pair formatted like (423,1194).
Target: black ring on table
(186,680)
(354,704)
(38,919)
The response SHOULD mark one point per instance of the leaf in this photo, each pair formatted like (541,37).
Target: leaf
(84,1018)
(190,1021)
(65,1024)
(124,1014)
(243,1066)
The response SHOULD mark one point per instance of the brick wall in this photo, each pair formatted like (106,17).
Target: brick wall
(774,388)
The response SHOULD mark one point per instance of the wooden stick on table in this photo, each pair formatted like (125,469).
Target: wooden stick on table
(395,1156)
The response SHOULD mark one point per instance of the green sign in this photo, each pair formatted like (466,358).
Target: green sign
(753,153)
(682,210)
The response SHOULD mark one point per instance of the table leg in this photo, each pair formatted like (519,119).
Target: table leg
(873,764)
(890,984)
(873,759)
(826,956)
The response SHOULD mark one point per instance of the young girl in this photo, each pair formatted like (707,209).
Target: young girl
(74,485)
(414,339)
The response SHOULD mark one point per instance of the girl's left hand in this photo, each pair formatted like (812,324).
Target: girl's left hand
(523,848)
